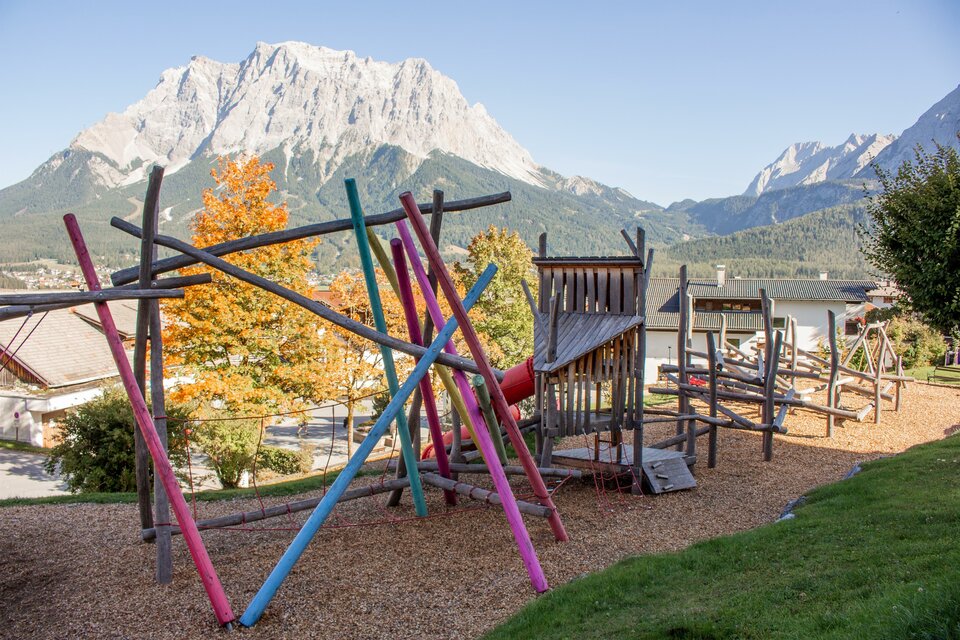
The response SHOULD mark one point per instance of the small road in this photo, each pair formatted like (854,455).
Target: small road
(22,476)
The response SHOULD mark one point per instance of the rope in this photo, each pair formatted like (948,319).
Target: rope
(6,350)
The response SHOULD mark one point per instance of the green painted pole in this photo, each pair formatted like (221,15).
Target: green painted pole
(483,396)
(366,260)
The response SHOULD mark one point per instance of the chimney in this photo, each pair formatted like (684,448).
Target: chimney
(721,275)
(824,275)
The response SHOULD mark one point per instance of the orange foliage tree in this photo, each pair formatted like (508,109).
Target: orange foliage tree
(242,350)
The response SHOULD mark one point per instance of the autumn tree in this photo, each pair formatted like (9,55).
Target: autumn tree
(242,350)
(504,315)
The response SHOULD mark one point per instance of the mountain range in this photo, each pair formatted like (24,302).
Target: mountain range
(322,115)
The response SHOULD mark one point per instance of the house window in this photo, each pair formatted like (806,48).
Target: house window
(851,327)
(779,323)
(734,341)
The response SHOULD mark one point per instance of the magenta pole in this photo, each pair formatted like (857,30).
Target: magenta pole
(476,349)
(208,575)
(405,293)
(500,482)
(433,308)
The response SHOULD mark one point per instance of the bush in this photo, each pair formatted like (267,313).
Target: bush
(919,344)
(96,450)
(231,446)
(286,462)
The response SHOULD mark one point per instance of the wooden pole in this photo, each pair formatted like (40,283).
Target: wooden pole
(293,553)
(317,308)
(380,321)
(683,400)
(640,366)
(161,501)
(712,366)
(426,388)
(208,575)
(483,397)
(288,235)
(483,495)
(832,389)
(496,394)
(151,205)
(769,408)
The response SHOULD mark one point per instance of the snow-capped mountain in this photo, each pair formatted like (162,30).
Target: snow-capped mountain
(299,98)
(939,123)
(806,163)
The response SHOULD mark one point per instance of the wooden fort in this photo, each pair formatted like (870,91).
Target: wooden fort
(588,359)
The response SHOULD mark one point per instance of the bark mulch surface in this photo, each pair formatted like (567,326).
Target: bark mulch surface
(79,570)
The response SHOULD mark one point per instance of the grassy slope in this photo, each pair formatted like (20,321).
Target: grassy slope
(876,556)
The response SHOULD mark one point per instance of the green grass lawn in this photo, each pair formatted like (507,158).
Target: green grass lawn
(875,556)
(22,446)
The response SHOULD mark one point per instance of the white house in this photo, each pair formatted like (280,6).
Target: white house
(808,301)
(52,362)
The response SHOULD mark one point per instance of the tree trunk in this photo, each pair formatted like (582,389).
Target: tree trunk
(349,429)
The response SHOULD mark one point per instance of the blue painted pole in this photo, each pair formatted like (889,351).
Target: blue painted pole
(373,292)
(319,515)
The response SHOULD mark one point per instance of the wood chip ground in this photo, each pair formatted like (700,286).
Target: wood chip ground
(79,571)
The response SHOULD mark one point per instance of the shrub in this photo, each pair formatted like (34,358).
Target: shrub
(286,462)
(231,446)
(919,344)
(96,451)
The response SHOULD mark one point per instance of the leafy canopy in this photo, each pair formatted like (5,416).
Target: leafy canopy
(914,234)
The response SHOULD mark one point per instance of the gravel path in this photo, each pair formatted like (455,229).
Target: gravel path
(72,571)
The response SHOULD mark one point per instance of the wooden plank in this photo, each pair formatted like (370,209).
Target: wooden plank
(616,293)
(570,288)
(664,476)
(629,293)
(591,304)
(603,291)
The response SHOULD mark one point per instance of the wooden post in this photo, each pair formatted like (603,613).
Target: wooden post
(369,276)
(832,391)
(712,366)
(769,373)
(683,400)
(425,388)
(141,454)
(208,575)
(483,397)
(769,409)
(496,394)
(640,366)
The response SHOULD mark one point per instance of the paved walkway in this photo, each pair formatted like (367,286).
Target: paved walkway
(22,476)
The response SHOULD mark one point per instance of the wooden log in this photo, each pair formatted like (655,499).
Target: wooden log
(75,298)
(169,284)
(641,354)
(510,469)
(499,402)
(151,208)
(165,473)
(426,388)
(683,404)
(317,308)
(483,398)
(705,371)
(712,366)
(298,233)
(679,438)
(256,515)
(484,495)
(630,244)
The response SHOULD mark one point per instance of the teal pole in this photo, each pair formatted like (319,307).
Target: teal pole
(366,260)
(322,511)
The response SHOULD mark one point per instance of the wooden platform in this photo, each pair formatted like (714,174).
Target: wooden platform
(664,469)
(583,458)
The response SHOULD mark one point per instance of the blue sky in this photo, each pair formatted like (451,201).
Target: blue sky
(667,100)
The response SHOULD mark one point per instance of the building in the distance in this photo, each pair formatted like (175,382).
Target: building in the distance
(738,299)
(52,362)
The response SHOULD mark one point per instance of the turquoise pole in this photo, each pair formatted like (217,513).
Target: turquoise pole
(322,511)
(366,260)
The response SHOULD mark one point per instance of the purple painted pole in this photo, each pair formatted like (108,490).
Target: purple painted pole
(405,293)
(527,553)
(208,575)
(496,394)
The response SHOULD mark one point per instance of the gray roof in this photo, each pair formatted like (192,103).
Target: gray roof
(782,289)
(60,348)
(577,335)
(663,310)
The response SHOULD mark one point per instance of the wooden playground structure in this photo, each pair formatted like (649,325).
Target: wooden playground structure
(587,370)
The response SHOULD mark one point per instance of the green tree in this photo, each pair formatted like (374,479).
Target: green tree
(914,234)
(95,452)
(505,315)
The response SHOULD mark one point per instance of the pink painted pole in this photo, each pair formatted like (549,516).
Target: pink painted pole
(405,293)
(476,349)
(208,575)
(433,308)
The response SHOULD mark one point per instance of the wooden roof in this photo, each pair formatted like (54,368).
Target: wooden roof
(577,335)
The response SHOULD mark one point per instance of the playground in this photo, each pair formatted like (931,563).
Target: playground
(78,570)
